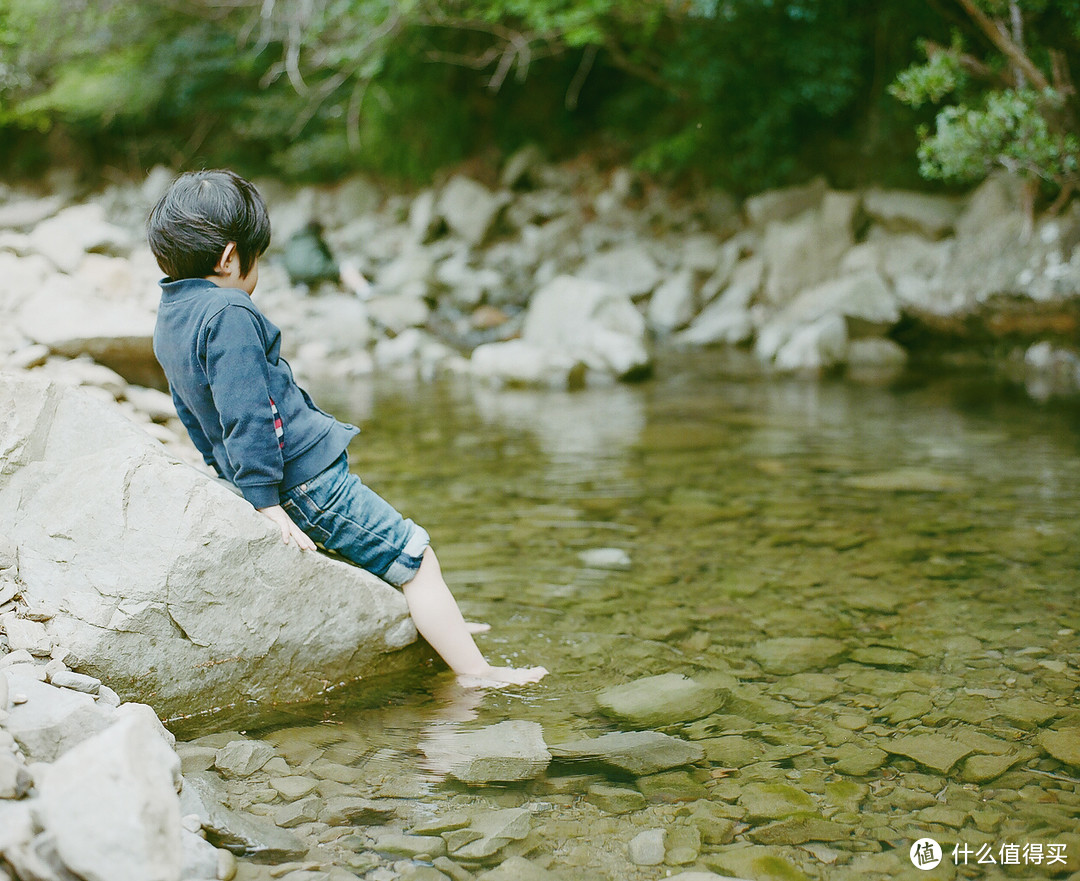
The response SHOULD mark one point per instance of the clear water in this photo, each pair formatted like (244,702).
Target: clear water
(929,526)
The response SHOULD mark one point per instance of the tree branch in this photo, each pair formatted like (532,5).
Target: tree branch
(1003,42)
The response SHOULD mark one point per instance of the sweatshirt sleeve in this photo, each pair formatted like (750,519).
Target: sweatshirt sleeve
(195,432)
(239,380)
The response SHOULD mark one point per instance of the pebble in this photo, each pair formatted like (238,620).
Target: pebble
(647,848)
(606,558)
(293,787)
(76,682)
(935,751)
(242,758)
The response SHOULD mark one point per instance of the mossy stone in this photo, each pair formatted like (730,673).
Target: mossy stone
(661,701)
(774,801)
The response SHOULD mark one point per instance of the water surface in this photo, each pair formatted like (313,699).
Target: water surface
(929,528)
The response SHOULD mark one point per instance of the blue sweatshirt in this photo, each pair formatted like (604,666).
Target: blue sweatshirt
(236,395)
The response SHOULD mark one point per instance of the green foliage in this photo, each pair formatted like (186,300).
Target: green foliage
(743,93)
(999,119)
(941,75)
(1010,130)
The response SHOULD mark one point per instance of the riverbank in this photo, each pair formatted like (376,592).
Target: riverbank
(562,276)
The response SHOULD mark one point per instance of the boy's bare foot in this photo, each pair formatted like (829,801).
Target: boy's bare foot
(495,676)
(475,627)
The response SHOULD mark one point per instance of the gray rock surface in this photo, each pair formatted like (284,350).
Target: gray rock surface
(203,795)
(903,211)
(51,720)
(469,208)
(647,848)
(202,612)
(496,830)
(590,322)
(242,758)
(111,806)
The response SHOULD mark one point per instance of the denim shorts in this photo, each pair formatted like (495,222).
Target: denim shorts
(344,516)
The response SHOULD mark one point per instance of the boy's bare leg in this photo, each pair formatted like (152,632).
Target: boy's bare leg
(438,619)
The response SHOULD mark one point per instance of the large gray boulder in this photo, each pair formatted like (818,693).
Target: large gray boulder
(807,250)
(902,211)
(70,235)
(572,323)
(590,322)
(811,332)
(469,208)
(629,271)
(166,584)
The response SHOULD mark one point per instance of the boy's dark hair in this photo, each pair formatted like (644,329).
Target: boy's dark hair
(199,215)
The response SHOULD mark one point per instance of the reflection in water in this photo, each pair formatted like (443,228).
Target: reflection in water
(883,580)
(580,433)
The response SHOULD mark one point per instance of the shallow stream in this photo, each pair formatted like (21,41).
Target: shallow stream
(881,581)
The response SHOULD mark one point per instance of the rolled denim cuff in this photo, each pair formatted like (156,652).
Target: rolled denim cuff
(404,568)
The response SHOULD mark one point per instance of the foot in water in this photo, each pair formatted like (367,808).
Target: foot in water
(475,627)
(495,676)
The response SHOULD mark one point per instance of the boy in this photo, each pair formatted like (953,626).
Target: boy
(258,429)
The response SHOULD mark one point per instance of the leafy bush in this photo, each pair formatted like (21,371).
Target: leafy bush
(744,93)
(1014,109)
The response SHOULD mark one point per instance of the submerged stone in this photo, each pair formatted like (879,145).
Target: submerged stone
(683,845)
(913,480)
(811,687)
(647,848)
(746,701)
(909,705)
(882,656)
(615,799)
(757,862)
(712,821)
(203,795)
(858,759)
(412,846)
(799,830)
(732,751)
(933,751)
(506,752)
(489,832)
(293,787)
(774,801)
(846,794)
(671,787)
(1063,745)
(796,654)
(350,810)
(1026,712)
(661,701)
(636,752)
(518,869)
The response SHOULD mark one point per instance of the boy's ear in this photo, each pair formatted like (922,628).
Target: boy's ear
(226,255)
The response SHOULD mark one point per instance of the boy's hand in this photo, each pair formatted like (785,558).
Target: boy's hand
(287,527)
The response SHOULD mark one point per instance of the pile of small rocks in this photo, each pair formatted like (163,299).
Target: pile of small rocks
(558,275)
(89,786)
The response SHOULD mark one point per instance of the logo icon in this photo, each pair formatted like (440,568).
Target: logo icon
(925,854)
